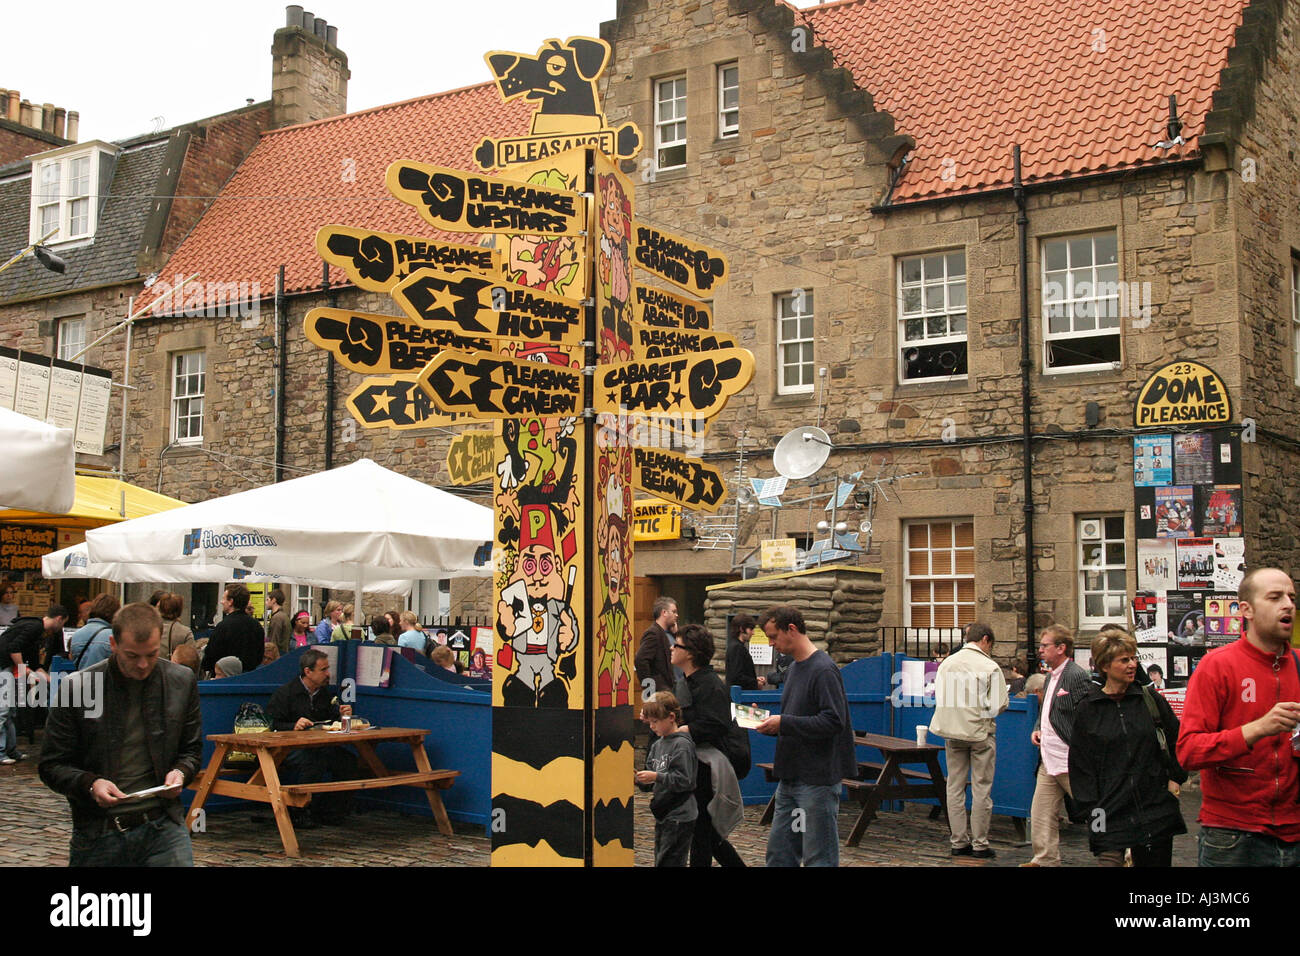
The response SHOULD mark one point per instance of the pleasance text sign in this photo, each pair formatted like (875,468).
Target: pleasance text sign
(1183,392)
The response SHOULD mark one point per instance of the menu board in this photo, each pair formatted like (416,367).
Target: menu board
(61,393)
(33,387)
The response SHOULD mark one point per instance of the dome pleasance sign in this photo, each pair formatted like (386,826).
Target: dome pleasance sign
(1183,393)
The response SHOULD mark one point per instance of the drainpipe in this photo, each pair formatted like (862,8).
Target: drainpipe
(281,371)
(1026,405)
(329,375)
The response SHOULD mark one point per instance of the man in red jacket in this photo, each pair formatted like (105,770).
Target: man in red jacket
(1242,704)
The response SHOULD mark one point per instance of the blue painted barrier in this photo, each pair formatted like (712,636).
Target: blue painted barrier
(456,711)
(877,708)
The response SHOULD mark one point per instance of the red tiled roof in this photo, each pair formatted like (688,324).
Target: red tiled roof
(300,178)
(1082,85)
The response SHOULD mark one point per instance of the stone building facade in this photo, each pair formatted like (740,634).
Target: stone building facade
(827,154)
(148,193)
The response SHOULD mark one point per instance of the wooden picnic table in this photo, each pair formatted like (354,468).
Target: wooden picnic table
(877,782)
(893,781)
(264,785)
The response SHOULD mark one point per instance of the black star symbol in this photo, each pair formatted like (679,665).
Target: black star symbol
(609,397)
(677,398)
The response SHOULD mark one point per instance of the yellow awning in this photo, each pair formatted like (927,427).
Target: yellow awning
(99,501)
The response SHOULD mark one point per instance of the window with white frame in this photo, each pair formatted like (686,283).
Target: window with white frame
(670,123)
(301,598)
(1295,315)
(939,573)
(1081,302)
(1103,575)
(64,188)
(728,100)
(71,338)
(188,385)
(932,316)
(794,342)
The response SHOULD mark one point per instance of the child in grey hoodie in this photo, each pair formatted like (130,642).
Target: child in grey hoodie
(670,768)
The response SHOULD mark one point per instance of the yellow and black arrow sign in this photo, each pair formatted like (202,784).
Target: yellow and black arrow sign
(649,342)
(469,202)
(471,457)
(667,310)
(674,385)
(477,306)
(683,262)
(487,386)
(397,402)
(677,478)
(377,261)
(382,344)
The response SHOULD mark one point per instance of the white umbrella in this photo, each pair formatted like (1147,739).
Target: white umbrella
(355,523)
(74,562)
(39,465)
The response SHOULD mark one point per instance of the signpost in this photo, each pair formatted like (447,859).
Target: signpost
(594,379)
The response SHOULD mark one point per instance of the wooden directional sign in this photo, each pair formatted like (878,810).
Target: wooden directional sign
(468,202)
(650,342)
(683,262)
(471,457)
(668,310)
(377,261)
(476,306)
(382,344)
(487,386)
(677,478)
(397,402)
(676,385)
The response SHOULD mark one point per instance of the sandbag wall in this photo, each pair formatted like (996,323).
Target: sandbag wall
(841,606)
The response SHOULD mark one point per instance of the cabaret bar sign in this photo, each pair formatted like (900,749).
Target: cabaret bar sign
(1183,392)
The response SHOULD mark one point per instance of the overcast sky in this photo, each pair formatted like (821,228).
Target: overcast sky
(122,65)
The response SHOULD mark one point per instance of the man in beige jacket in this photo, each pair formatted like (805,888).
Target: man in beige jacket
(969,693)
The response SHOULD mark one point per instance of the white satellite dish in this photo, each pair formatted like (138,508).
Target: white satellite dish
(801,452)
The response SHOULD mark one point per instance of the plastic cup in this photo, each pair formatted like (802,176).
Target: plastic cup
(921,732)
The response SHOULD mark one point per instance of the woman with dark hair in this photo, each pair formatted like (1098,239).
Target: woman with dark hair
(174,633)
(1124,773)
(706,708)
(90,644)
(740,666)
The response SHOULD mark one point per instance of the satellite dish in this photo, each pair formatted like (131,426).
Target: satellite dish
(801,452)
(865,527)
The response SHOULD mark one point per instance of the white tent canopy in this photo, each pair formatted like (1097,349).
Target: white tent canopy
(74,562)
(39,465)
(358,523)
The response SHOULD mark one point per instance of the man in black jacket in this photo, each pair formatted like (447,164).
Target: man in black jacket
(303,701)
(740,666)
(126,724)
(654,670)
(237,634)
(20,659)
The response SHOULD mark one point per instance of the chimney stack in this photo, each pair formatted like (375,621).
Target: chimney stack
(309,77)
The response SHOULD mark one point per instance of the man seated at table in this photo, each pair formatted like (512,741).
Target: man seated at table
(303,701)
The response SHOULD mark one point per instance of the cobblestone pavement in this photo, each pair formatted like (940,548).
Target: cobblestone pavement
(35,826)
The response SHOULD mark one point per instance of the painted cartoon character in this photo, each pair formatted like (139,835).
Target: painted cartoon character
(614,666)
(534,617)
(549,263)
(614,266)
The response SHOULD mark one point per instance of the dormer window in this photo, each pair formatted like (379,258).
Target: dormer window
(65,192)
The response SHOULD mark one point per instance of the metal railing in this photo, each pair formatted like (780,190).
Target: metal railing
(923,643)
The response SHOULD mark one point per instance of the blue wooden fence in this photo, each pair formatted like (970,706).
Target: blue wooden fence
(877,705)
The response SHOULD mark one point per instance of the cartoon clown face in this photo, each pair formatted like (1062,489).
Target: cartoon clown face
(540,568)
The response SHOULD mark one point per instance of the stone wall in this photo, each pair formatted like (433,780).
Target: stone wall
(790,201)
